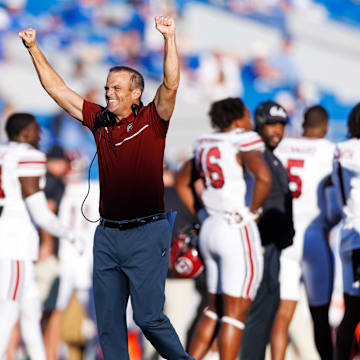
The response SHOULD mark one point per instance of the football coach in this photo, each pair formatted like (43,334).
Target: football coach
(132,241)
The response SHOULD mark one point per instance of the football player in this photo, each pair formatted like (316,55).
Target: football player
(308,161)
(75,273)
(346,177)
(21,201)
(229,239)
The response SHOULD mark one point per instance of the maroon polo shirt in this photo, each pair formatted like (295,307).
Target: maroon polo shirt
(130,158)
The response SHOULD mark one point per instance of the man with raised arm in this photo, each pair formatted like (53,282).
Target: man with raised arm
(133,238)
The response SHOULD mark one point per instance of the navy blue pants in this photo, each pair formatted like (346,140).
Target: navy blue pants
(133,262)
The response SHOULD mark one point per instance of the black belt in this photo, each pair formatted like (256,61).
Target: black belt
(128,224)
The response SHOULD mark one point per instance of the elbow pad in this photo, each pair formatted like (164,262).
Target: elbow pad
(44,218)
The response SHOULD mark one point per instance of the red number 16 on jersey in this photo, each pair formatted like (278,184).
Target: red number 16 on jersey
(212,173)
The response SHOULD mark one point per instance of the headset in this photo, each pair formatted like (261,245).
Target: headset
(104,118)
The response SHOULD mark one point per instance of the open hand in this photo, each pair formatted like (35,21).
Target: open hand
(165,25)
(28,37)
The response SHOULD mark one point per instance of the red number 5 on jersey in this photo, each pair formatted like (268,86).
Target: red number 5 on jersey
(212,174)
(295,180)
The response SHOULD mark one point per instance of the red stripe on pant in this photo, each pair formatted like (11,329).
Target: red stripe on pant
(17,280)
(251,261)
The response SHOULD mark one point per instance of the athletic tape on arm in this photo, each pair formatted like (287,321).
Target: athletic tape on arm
(43,217)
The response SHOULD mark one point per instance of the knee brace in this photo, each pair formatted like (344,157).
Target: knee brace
(234,322)
(211,314)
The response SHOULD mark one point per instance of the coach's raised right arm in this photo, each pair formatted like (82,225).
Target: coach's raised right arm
(54,85)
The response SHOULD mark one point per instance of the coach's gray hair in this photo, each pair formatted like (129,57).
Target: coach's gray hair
(136,79)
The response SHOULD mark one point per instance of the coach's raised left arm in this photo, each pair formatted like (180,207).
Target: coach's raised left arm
(50,80)
(166,93)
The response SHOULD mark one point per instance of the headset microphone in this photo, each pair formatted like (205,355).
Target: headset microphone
(135,108)
(105,118)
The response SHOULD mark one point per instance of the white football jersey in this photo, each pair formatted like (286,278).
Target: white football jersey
(346,177)
(216,159)
(309,164)
(70,215)
(18,236)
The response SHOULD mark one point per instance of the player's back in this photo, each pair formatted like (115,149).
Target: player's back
(18,235)
(217,158)
(71,216)
(346,177)
(308,162)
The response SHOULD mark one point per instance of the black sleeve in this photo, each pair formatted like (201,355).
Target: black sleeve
(54,188)
(276,227)
(198,204)
(276,224)
(355,259)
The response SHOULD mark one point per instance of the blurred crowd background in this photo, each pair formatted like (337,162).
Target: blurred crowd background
(296,52)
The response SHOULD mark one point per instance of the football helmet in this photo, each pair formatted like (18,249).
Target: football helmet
(185,260)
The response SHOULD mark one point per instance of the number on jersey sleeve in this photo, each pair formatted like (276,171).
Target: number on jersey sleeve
(295,180)
(212,174)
